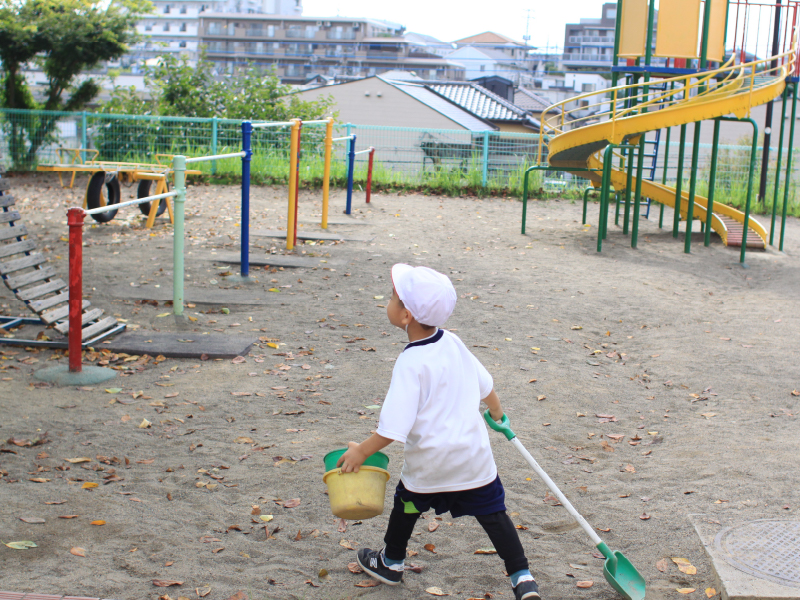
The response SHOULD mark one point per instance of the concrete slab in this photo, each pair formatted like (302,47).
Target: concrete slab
(228,297)
(768,549)
(342,221)
(309,235)
(155,343)
(271,260)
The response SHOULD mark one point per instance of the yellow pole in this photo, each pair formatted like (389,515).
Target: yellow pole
(326,171)
(292,183)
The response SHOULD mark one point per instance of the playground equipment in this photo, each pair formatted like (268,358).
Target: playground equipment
(584,139)
(103,188)
(26,273)
(351,162)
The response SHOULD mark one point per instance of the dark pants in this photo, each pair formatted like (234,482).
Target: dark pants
(497,525)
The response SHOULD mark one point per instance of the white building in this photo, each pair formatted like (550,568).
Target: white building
(174,25)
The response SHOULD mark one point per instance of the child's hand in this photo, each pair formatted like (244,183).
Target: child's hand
(496,414)
(351,461)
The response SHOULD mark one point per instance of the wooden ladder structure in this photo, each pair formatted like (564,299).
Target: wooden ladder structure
(26,273)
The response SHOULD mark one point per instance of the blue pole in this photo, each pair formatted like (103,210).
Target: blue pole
(351,163)
(213,144)
(247,129)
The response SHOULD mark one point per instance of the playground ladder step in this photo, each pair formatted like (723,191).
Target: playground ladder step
(13,232)
(735,232)
(10,216)
(62,312)
(89,315)
(40,290)
(17,248)
(48,297)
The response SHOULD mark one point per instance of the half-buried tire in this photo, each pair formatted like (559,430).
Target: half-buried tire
(102,193)
(143,191)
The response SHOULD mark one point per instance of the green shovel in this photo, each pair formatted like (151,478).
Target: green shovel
(618,570)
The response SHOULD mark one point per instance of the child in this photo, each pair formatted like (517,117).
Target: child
(433,407)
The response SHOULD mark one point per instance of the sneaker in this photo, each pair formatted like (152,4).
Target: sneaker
(372,563)
(526,590)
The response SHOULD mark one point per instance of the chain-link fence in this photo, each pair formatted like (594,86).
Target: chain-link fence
(446,159)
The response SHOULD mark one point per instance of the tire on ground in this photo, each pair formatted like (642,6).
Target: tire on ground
(94,193)
(143,191)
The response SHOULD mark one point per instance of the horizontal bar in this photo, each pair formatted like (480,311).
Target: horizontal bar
(317,122)
(363,151)
(347,137)
(108,207)
(278,124)
(215,157)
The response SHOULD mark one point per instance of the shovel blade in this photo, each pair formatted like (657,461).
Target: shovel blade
(624,577)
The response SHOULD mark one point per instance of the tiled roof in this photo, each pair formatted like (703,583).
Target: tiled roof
(530,100)
(451,110)
(483,103)
(487,37)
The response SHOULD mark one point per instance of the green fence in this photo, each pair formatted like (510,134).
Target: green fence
(446,160)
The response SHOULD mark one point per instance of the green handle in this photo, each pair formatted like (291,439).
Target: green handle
(504,427)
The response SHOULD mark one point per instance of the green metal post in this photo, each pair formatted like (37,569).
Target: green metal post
(179,170)
(664,177)
(753,152)
(213,144)
(586,193)
(712,180)
(628,185)
(784,100)
(605,190)
(525,200)
(676,219)
(687,242)
(615,61)
(788,178)
(704,41)
(485,158)
(83,135)
(638,196)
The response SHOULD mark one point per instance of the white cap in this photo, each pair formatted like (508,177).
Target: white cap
(427,294)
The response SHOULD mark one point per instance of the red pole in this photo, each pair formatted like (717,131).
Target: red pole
(297,185)
(75,218)
(369,172)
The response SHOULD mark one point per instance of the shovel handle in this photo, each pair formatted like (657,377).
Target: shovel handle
(503,427)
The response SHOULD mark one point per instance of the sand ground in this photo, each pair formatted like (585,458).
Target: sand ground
(691,359)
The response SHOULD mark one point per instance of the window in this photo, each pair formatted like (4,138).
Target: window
(166,9)
(183,10)
(183,27)
(611,13)
(483,67)
(182,45)
(166,27)
(587,87)
(148,27)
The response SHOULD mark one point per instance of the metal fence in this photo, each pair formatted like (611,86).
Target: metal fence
(407,155)
(29,138)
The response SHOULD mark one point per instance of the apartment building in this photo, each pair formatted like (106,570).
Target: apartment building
(490,54)
(301,48)
(173,26)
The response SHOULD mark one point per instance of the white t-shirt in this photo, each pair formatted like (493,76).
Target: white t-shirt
(433,407)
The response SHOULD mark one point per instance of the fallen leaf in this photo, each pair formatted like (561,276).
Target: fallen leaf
(243,440)
(584,584)
(76,461)
(78,551)
(39,479)
(113,390)
(166,582)
(239,360)
(21,545)
(435,591)
(576,327)
(430,548)
(31,520)
(368,583)
(685,590)
(710,592)
(68,517)
(662,565)
(203,593)
(355,568)
(144,424)
(432,526)
(644,516)
(346,544)
(294,502)
(89,485)
(99,522)
(485,551)
(685,566)
(266,518)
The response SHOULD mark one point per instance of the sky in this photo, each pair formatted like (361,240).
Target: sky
(450,20)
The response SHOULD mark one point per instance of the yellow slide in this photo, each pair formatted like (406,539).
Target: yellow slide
(575,137)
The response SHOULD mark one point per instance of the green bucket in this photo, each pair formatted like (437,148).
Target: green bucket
(379,459)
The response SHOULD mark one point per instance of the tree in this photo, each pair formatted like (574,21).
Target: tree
(64,38)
